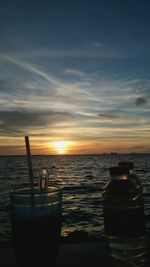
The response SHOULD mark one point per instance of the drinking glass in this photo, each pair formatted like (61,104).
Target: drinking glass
(36,226)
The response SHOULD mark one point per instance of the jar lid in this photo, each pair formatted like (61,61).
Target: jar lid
(129,164)
(118,170)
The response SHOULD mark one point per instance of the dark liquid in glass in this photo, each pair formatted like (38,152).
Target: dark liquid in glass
(36,240)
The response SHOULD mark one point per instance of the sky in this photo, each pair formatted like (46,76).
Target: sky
(75,76)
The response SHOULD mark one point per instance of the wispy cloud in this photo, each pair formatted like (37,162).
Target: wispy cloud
(75,72)
(97,44)
(29,67)
(90,106)
(112,117)
(88,50)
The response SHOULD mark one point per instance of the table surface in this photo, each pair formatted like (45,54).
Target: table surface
(92,254)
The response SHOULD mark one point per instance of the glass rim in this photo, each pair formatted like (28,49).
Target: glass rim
(26,192)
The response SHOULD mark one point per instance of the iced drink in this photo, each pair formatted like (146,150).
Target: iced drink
(36,228)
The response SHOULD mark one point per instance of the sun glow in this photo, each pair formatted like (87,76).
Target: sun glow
(61,147)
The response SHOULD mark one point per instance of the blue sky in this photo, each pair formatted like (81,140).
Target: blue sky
(75,71)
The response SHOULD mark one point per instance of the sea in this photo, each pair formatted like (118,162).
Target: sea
(82,179)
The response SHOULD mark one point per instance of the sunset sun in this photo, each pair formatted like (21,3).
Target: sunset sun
(61,147)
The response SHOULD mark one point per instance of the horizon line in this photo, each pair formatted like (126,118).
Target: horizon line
(105,153)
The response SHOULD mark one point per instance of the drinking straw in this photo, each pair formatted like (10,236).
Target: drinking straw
(30,168)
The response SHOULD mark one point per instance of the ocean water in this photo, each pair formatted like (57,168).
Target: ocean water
(81,178)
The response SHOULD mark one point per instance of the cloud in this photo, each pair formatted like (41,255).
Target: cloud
(97,44)
(94,50)
(76,104)
(60,88)
(123,118)
(5,84)
(30,68)
(115,117)
(75,72)
(17,122)
(140,101)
